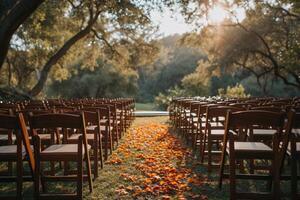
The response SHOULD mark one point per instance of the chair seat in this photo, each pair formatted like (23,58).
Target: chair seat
(61,151)
(9,152)
(8,149)
(89,137)
(104,121)
(264,131)
(217,134)
(216,124)
(5,137)
(48,136)
(252,150)
(95,127)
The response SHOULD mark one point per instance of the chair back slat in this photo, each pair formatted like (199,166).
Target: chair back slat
(268,108)
(255,117)
(55,120)
(221,111)
(8,122)
(91,116)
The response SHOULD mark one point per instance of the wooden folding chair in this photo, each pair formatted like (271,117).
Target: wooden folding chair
(214,132)
(196,127)
(108,126)
(240,123)
(94,137)
(294,152)
(61,152)
(16,153)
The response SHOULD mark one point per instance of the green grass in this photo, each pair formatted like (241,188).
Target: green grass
(145,106)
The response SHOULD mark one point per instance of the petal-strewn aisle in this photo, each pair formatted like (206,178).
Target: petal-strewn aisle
(150,163)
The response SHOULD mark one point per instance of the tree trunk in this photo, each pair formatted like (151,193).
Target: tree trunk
(9,72)
(53,60)
(12,14)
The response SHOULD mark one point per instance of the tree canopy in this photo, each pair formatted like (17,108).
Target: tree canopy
(47,46)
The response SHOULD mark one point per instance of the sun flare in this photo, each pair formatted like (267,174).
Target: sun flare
(217,14)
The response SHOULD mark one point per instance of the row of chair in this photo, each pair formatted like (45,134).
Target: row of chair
(50,138)
(248,132)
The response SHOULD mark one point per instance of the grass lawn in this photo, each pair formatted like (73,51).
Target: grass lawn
(145,106)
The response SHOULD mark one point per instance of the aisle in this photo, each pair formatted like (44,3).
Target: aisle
(151,163)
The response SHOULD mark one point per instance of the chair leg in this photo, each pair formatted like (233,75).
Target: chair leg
(203,149)
(89,171)
(19,170)
(275,170)
(293,171)
(79,169)
(115,137)
(276,180)
(106,144)
(222,164)
(96,165)
(19,180)
(232,168)
(111,143)
(37,170)
(201,144)
(101,152)
(209,147)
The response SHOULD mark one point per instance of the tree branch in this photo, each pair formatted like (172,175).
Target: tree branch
(106,42)
(11,17)
(287,12)
(60,53)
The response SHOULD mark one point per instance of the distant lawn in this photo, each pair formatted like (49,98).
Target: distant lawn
(145,106)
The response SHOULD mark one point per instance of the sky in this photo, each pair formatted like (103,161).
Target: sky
(171,23)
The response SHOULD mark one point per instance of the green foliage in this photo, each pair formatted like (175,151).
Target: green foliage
(118,35)
(145,106)
(118,56)
(270,86)
(163,100)
(104,81)
(237,91)
(197,83)
(261,52)
(173,62)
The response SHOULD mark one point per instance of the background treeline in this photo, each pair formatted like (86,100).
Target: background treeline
(177,70)
(78,48)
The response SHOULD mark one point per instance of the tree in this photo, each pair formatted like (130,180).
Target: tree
(173,62)
(108,26)
(197,83)
(12,14)
(96,18)
(103,81)
(265,43)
